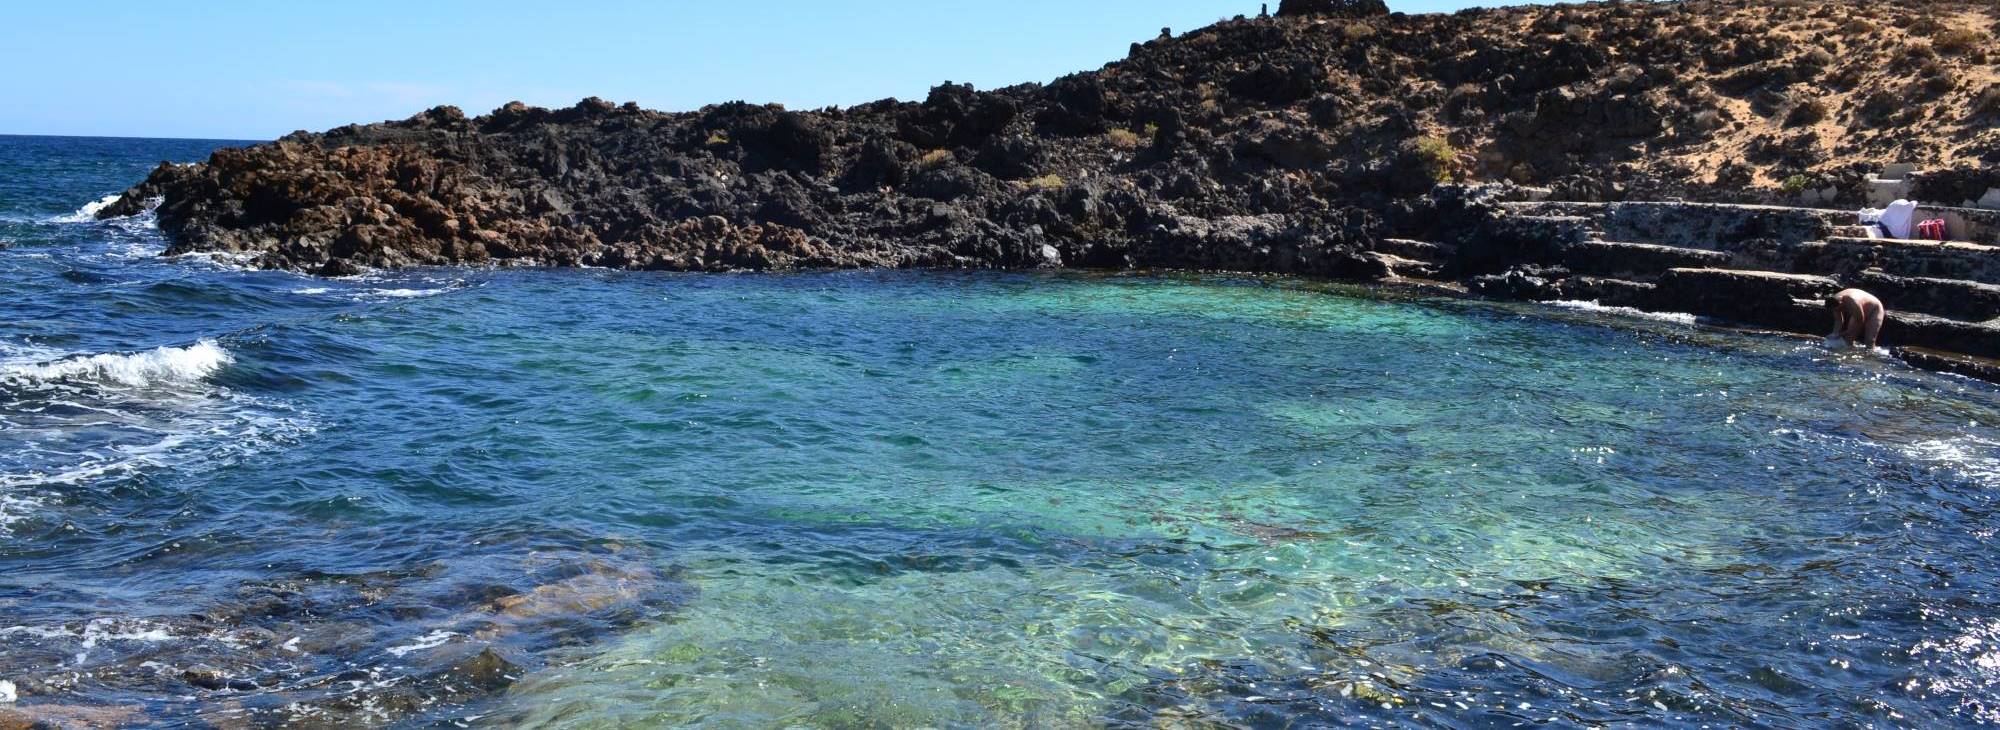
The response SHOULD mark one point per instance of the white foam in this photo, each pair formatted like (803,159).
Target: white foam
(143,222)
(96,631)
(200,432)
(227,260)
(74,420)
(431,640)
(146,367)
(1972,457)
(7,692)
(104,629)
(88,212)
(14,508)
(12,353)
(406,293)
(1673,317)
(376,294)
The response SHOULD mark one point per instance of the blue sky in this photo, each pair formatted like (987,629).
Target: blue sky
(256,70)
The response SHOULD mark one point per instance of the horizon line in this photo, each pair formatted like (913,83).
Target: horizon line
(133,136)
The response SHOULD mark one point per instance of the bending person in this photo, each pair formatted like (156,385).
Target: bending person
(1857,317)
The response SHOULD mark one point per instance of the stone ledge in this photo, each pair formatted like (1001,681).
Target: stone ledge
(1939,333)
(1619,257)
(1764,298)
(1955,298)
(1947,362)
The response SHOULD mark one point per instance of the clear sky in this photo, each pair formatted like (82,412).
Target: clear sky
(256,70)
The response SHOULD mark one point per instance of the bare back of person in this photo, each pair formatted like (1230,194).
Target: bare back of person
(1857,317)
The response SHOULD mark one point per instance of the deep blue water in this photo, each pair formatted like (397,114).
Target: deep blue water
(946,499)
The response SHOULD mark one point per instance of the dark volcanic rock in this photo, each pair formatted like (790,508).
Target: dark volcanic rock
(1347,8)
(1177,156)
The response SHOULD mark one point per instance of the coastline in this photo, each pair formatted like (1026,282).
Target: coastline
(1340,142)
(503,496)
(1335,368)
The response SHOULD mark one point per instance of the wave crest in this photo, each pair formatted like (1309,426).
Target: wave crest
(146,367)
(88,212)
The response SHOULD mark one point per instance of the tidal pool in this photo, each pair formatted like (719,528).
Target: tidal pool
(869,499)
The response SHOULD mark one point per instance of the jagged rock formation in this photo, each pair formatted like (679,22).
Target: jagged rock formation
(1343,8)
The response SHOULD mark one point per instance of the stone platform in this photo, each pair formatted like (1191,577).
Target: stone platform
(1760,266)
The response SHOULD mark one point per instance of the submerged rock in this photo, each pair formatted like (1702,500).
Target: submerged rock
(358,650)
(69,717)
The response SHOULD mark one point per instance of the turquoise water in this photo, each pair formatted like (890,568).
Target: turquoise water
(872,499)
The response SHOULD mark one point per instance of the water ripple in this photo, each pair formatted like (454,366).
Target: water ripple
(947,499)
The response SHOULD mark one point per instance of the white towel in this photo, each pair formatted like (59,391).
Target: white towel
(1899,217)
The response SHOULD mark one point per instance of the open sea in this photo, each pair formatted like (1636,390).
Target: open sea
(581,498)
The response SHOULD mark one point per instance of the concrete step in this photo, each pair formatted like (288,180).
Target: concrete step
(1579,222)
(1695,225)
(1566,217)
(1755,283)
(1959,299)
(1410,249)
(1797,303)
(1918,243)
(1986,369)
(1789,302)
(1792,303)
(1640,260)
(1939,333)
(1409,268)
(1611,292)
(1585,225)
(1901,257)
(1561,207)
(1544,230)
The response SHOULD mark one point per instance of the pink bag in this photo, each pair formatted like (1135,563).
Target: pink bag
(1931,230)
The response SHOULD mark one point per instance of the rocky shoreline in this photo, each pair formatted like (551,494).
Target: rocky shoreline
(424,646)
(1334,139)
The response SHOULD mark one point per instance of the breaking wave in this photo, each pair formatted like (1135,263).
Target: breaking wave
(89,419)
(87,213)
(138,369)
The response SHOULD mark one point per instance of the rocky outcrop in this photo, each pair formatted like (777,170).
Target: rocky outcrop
(1273,144)
(1610,151)
(1339,8)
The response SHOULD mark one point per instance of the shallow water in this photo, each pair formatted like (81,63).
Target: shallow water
(942,499)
